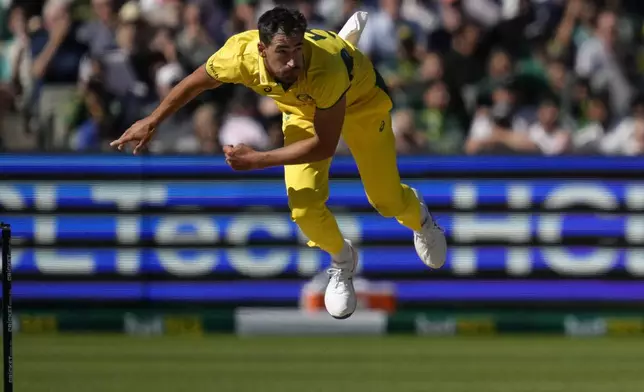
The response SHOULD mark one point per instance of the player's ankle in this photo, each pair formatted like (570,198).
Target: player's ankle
(345,254)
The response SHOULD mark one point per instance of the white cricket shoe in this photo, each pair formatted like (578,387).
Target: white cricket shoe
(340,297)
(430,242)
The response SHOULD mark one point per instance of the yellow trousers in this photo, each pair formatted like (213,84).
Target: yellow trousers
(373,147)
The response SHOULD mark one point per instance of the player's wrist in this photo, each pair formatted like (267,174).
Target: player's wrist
(153,121)
(263,160)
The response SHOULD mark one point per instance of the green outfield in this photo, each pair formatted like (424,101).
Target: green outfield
(402,364)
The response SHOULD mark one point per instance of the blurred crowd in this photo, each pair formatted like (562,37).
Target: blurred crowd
(544,77)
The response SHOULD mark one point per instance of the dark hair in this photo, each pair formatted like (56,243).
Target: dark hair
(280,20)
(549,100)
(467,24)
(500,50)
(601,96)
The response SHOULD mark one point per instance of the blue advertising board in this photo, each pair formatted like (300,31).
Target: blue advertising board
(123,228)
(604,195)
(521,291)
(409,166)
(247,228)
(264,262)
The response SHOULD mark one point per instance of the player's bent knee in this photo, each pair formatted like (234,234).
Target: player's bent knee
(312,214)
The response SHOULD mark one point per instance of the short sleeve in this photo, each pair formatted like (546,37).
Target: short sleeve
(225,64)
(329,83)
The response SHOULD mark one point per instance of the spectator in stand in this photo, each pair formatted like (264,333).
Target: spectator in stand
(206,125)
(441,130)
(408,139)
(464,68)
(193,41)
(559,84)
(487,13)
(162,12)
(628,136)
(451,20)
(519,28)
(15,78)
(602,58)
(381,36)
(99,115)
(124,63)
(548,132)
(504,64)
(572,29)
(100,34)
(579,102)
(431,68)
(241,125)
(401,72)
(273,121)
(497,128)
(315,20)
(599,119)
(176,134)
(586,16)
(214,19)
(244,17)
(425,73)
(56,58)
(500,70)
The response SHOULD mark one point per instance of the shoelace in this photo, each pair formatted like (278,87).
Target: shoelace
(434,223)
(339,275)
(429,239)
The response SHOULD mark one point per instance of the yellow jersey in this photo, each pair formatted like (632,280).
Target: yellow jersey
(332,67)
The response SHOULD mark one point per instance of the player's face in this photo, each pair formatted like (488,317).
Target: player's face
(283,57)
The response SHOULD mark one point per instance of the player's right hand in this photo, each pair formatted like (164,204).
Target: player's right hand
(140,133)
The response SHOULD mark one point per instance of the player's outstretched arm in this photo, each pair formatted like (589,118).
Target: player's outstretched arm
(328,127)
(187,90)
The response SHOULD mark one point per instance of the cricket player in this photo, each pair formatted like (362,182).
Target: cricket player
(325,87)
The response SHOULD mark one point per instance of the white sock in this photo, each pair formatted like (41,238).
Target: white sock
(345,254)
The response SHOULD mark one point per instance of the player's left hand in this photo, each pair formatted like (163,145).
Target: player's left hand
(242,157)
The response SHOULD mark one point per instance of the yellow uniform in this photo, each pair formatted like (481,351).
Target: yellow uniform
(332,67)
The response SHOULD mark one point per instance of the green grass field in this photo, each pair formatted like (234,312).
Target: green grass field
(400,364)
